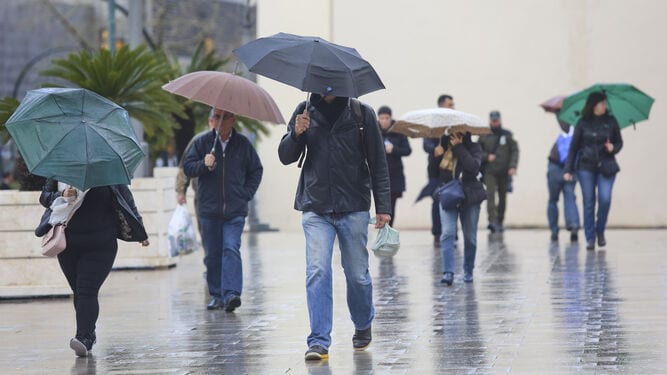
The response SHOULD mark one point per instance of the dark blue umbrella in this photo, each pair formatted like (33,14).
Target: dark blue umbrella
(310,64)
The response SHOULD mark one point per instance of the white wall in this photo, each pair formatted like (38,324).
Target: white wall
(508,55)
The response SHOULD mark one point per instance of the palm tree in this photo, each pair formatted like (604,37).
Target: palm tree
(131,78)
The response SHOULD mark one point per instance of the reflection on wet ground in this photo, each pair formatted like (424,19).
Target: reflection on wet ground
(534,307)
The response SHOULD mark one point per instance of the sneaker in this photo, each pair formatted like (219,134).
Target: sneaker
(574,237)
(447,278)
(316,353)
(214,304)
(602,242)
(232,303)
(361,339)
(467,277)
(554,237)
(82,345)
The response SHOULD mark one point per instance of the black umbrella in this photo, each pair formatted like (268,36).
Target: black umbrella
(310,64)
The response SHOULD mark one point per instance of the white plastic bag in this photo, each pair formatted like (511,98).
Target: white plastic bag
(181,232)
(387,241)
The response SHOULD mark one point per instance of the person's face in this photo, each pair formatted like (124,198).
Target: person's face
(228,120)
(600,108)
(385,121)
(448,103)
(495,123)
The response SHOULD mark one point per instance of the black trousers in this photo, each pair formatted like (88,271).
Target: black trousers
(86,263)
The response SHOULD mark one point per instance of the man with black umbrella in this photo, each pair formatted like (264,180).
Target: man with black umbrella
(344,160)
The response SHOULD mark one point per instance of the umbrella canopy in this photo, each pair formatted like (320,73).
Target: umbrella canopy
(554,104)
(625,102)
(75,136)
(229,92)
(435,122)
(311,64)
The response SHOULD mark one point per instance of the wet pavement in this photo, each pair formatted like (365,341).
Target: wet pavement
(533,308)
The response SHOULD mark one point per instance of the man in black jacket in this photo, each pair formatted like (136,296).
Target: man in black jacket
(229,172)
(344,161)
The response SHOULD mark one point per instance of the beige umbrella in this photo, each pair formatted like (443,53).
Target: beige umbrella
(434,122)
(229,92)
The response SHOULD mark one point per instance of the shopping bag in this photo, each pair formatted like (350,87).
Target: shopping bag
(181,232)
(387,242)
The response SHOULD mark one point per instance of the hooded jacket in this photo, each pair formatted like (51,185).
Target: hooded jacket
(336,177)
(224,192)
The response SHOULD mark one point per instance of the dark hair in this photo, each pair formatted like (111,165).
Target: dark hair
(384,110)
(443,97)
(467,140)
(593,99)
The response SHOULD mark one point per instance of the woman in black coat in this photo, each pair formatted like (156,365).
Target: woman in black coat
(396,146)
(596,141)
(461,158)
(106,214)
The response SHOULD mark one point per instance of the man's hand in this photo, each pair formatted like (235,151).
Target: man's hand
(209,161)
(511,171)
(69,192)
(491,158)
(145,243)
(302,123)
(180,198)
(609,146)
(567,177)
(389,147)
(381,220)
(438,150)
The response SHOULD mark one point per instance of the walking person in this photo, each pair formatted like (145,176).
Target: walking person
(344,161)
(557,185)
(396,146)
(459,157)
(105,214)
(229,171)
(595,143)
(500,157)
(433,171)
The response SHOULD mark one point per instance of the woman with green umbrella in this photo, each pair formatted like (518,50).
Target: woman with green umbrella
(596,141)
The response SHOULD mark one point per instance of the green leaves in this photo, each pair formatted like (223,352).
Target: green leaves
(7,107)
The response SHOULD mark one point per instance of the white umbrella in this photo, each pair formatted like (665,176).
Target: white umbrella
(435,122)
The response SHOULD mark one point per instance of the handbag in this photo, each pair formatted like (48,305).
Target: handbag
(451,195)
(609,167)
(53,242)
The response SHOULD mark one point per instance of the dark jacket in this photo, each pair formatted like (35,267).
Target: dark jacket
(500,142)
(394,161)
(468,156)
(432,168)
(335,177)
(130,223)
(587,149)
(224,193)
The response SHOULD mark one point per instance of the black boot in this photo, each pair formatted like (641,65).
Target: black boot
(602,242)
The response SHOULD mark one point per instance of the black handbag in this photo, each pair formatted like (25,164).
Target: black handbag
(608,167)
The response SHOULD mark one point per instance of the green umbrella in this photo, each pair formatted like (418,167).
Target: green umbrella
(625,102)
(75,136)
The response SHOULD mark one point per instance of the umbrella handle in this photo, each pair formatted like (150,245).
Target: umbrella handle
(217,134)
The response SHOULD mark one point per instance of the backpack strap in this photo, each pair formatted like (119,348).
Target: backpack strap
(358,110)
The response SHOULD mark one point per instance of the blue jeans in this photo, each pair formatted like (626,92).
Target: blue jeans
(590,182)
(352,232)
(556,184)
(469,219)
(222,240)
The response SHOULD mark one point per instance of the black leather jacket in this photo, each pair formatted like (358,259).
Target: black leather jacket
(587,149)
(335,177)
(130,223)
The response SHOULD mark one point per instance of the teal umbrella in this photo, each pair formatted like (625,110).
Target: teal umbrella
(75,136)
(625,102)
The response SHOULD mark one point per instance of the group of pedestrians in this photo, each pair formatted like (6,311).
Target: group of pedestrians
(362,158)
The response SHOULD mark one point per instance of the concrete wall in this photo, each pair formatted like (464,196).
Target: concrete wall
(508,55)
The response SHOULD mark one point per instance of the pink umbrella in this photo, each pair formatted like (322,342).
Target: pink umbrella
(229,92)
(554,104)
